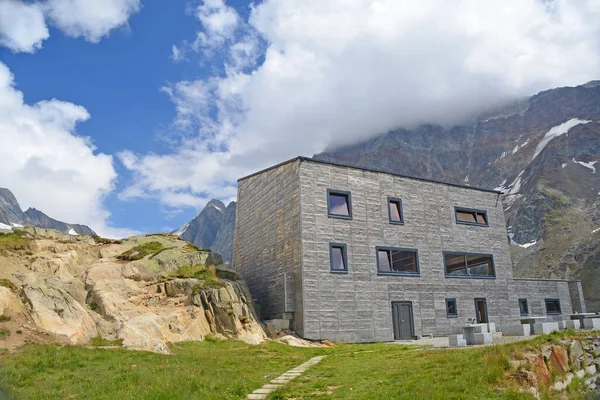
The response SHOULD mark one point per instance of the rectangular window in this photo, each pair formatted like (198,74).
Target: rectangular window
(469,265)
(471,217)
(396,261)
(339,204)
(523,307)
(451,308)
(553,307)
(395,210)
(338,257)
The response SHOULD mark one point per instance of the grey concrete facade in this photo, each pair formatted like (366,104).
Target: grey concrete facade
(356,306)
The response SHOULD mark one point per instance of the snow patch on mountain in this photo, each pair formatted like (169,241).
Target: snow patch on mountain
(181,230)
(216,207)
(596,230)
(72,232)
(501,187)
(563,165)
(16,225)
(557,131)
(589,165)
(4,226)
(526,245)
(514,188)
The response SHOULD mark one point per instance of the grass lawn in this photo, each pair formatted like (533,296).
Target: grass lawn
(231,370)
(199,370)
(387,371)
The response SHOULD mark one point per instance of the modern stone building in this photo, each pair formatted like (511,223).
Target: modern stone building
(357,255)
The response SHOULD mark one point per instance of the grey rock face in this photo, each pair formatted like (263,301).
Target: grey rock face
(11,213)
(39,219)
(212,229)
(10,210)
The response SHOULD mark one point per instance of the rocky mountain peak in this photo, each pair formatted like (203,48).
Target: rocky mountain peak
(212,228)
(12,215)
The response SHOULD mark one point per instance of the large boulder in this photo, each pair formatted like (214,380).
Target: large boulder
(55,311)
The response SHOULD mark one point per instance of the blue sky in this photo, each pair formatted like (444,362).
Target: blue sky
(181,98)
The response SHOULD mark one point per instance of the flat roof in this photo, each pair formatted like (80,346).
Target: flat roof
(301,158)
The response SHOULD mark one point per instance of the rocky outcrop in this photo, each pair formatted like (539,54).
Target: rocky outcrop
(56,311)
(75,289)
(558,365)
(11,215)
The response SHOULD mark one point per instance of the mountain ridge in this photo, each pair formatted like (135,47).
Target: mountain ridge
(11,216)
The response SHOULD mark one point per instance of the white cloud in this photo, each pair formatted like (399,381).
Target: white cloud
(23,26)
(91,19)
(47,166)
(336,72)
(218,21)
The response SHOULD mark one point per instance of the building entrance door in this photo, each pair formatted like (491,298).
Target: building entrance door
(481,311)
(402,318)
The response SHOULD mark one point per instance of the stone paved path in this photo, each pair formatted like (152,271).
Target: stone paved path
(263,392)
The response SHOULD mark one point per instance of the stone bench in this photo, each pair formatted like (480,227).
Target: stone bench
(483,338)
(544,328)
(517,330)
(573,324)
(591,322)
(457,340)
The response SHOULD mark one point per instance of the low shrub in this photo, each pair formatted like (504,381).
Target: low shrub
(7,283)
(99,341)
(208,275)
(4,318)
(101,240)
(15,240)
(140,251)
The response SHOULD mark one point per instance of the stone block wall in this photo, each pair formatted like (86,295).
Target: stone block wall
(267,240)
(356,307)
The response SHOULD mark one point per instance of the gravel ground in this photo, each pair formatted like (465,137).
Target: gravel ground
(442,342)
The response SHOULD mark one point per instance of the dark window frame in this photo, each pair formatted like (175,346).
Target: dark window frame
(396,273)
(398,200)
(523,313)
(339,193)
(546,301)
(471,210)
(448,313)
(467,276)
(344,256)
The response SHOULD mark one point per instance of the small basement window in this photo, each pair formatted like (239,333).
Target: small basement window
(396,261)
(451,308)
(469,265)
(523,307)
(339,204)
(395,210)
(338,258)
(553,307)
(471,217)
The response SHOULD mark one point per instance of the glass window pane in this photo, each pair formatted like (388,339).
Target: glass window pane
(395,211)
(337,258)
(338,204)
(552,306)
(480,265)
(404,261)
(455,264)
(384,261)
(523,307)
(481,218)
(465,216)
(451,304)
